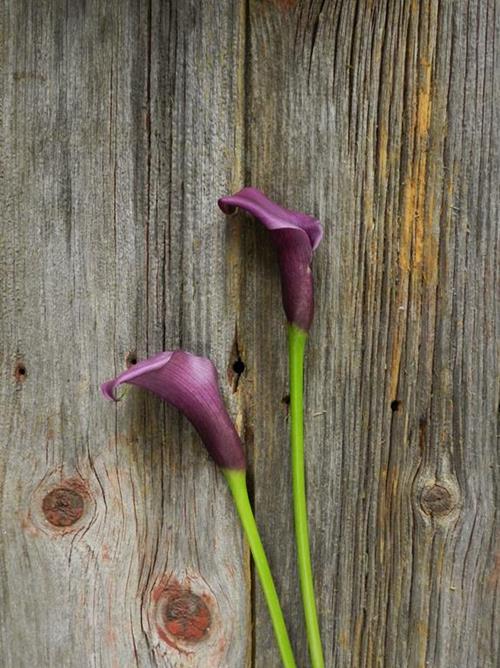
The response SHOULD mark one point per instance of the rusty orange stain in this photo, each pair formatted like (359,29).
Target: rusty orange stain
(182,616)
(77,485)
(63,507)
(166,639)
(64,504)
(186,616)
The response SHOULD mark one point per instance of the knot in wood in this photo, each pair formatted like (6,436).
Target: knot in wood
(63,507)
(436,500)
(186,616)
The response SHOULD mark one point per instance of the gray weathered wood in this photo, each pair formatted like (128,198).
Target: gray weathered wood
(121,124)
(382,118)
(117,131)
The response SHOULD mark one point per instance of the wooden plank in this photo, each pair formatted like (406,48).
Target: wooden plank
(382,119)
(121,123)
(118,131)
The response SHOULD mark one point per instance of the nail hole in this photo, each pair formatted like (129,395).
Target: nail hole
(131,359)
(20,371)
(238,366)
(286,399)
(395,405)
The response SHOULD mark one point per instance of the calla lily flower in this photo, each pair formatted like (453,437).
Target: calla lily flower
(295,236)
(191,384)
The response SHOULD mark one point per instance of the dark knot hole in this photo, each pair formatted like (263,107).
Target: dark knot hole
(131,359)
(238,366)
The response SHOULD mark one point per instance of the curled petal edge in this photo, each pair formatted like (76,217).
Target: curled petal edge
(191,384)
(272,215)
(151,364)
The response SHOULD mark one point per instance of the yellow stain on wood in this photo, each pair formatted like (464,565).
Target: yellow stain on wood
(356,646)
(414,217)
(343,639)
(422,633)
(424,99)
(418,245)
(390,482)
(423,213)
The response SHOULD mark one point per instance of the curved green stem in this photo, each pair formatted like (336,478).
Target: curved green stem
(238,486)
(297,339)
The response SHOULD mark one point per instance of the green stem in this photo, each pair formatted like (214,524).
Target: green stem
(297,339)
(238,486)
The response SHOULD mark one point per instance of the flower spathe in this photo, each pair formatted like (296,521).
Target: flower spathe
(295,236)
(191,384)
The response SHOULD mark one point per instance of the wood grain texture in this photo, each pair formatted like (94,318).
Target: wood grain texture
(117,131)
(382,119)
(121,124)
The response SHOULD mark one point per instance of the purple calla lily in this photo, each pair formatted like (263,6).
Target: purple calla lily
(191,384)
(295,236)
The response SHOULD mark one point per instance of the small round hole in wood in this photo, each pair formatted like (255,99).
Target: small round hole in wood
(131,359)
(20,372)
(239,366)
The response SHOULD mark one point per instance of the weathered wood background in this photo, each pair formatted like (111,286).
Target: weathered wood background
(121,123)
